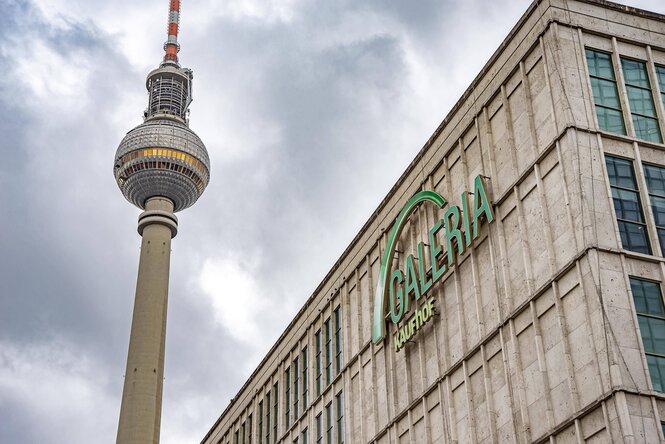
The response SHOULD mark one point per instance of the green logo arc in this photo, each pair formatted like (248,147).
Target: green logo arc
(378,323)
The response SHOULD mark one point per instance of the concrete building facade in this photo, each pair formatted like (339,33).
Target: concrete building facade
(549,324)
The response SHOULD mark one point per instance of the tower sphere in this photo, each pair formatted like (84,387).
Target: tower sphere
(162,157)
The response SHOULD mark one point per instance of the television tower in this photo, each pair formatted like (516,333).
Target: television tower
(162,167)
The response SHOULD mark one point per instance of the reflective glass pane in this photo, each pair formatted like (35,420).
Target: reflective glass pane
(658,207)
(600,64)
(660,72)
(657,372)
(620,172)
(640,101)
(635,73)
(645,333)
(653,334)
(661,239)
(610,120)
(647,297)
(627,205)
(655,177)
(657,327)
(646,128)
(605,93)
(640,300)
(634,237)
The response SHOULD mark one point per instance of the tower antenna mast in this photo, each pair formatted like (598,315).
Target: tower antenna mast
(171,46)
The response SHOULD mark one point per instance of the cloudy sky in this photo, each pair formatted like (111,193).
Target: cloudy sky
(310,110)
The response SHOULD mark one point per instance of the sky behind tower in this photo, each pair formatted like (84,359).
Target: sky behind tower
(310,110)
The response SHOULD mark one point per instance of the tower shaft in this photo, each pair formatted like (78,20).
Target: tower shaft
(141,407)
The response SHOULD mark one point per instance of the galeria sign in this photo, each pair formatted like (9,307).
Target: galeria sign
(458,228)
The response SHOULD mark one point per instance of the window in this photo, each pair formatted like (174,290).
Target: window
(329,424)
(655,177)
(328,352)
(305,379)
(319,363)
(640,100)
(651,317)
(259,432)
(249,429)
(295,440)
(303,436)
(268,418)
(338,340)
(296,381)
(340,418)
(627,207)
(235,437)
(660,73)
(275,409)
(319,429)
(287,396)
(605,92)
(242,433)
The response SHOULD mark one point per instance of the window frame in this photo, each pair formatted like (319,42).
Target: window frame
(327,327)
(296,382)
(649,90)
(287,397)
(339,407)
(329,423)
(276,410)
(661,317)
(268,406)
(259,432)
(650,195)
(305,378)
(613,80)
(644,222)
(337,314)
(319,428)
(319,362)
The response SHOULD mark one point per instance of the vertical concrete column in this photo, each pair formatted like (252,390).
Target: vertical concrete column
(141,408)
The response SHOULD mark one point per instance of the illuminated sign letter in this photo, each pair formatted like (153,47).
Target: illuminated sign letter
(378,323)
(481,205)
(460,229)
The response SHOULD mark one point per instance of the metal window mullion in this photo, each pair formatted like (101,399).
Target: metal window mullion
(630,221)
(593,76)
(652,316)
(643,88)
(654,354)
(653,80)
(608,107)
(621,85)
(619,187)
(633,113)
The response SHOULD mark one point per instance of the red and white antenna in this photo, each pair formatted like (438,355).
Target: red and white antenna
(171,47)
